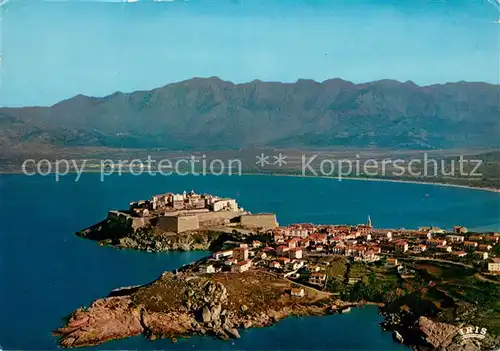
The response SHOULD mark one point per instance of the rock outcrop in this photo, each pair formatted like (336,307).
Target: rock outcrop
(425,334)
(148,238)
(104,320)
(188,304)
(443,336)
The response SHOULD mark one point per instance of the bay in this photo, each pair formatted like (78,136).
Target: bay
(46,271)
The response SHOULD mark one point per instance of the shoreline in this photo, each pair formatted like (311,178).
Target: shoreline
(488,189)
(155,325)
(389,180)
(215,301)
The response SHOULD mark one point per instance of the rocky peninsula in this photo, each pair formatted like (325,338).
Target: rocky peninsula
(185,303)
(176,222)
(436,288)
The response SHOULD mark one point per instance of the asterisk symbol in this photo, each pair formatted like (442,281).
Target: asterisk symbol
(280,159)
(262,160)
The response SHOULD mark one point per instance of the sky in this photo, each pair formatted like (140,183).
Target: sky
(54,50)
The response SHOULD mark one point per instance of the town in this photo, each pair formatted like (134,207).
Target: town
(271,271)
(304,252)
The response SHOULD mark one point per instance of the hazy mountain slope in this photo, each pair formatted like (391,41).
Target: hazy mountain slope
(210,113)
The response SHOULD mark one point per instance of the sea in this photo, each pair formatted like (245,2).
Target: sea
(46,271)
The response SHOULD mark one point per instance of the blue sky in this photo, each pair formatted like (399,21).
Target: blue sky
(55,50)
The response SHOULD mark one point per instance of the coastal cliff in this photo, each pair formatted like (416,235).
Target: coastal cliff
(149,238)
(423,333)
(176,222)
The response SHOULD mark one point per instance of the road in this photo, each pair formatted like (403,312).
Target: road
(477,275)
(484,279)
(319,292)
(438,260)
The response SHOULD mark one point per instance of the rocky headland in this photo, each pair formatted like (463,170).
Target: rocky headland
(184,304)
(260,273)
(423,333)
(150,238)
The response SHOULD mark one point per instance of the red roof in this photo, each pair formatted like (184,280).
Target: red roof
(317,237)
(318,274)
(242,263)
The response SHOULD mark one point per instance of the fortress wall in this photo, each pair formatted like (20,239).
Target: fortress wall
(167,223)
(178,224)
(138,222)
(186,212)
(186,223)
(218,216)
(262,220)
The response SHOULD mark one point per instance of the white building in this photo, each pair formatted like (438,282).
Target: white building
(225,204)
(455,238)
(494,267)
(295,253)
(207,269)
(222,254)
(297,292)
(241,267)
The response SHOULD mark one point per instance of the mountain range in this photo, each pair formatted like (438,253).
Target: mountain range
(212,114)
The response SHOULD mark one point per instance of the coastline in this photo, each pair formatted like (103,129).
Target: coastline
(88,326)
(487,189)
(216,315)
(206,297)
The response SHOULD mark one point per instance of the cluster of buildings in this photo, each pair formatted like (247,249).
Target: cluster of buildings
(181,203)
(287,259)
(296,247)
(237,259)
(177,213)
(363,242)
(459,244)
(288,249)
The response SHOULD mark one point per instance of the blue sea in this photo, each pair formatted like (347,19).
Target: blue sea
(46,271)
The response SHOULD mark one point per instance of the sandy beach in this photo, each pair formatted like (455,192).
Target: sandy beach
(489,189)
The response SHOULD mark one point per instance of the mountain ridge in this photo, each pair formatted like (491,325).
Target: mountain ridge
(337,79)
(211,113)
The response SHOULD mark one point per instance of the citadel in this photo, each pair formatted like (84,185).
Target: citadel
(184,212)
